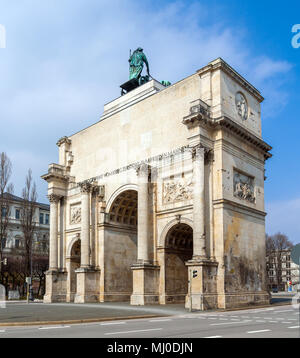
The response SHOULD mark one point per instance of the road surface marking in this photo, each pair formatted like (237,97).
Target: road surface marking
(212,318)
(2,331)
(261,331)
(221,324)
(54,327)
(260,321)
(160,320)
(213,337)
(111,323)
(292,319)
(286,322)
(137,331)
(273,322)
(223,319)
(294,327)
(283,311)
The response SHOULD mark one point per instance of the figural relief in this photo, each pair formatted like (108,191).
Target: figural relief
(178,190)
(241,105)
(75,217)
(243,187)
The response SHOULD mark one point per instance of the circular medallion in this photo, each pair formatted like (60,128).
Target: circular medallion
(241,105)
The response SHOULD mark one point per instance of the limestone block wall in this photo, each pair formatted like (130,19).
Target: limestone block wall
(120,253)
(244,251)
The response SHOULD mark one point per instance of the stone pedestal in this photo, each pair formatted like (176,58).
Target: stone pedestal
(202,293)
(56,286)
(88,285)
(145,284)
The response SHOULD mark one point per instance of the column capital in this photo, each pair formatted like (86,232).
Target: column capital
(143,169)
(85,187)
(54,198)
(98,190)
(200,151)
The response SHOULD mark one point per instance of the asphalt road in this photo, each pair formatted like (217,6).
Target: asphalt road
(276,322)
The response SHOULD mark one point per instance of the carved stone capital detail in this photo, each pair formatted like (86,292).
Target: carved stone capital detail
(54,198)
(85,187)
(143,169)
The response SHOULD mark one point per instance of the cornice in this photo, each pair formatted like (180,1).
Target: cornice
(241,207)
(220,64)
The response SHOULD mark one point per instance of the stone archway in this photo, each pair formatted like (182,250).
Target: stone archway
(178,249)
(120,248)
(73,263)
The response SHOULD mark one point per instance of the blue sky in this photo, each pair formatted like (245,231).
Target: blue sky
(64,59)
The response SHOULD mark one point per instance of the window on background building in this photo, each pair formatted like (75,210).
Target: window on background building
(17,243)
(41,218)
(17,213)
(4,211)
(47,219)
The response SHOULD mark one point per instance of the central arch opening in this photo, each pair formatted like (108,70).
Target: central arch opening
(178,250)
(121,246)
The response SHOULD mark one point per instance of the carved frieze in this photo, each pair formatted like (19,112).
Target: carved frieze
(243,187)
(177,190)
(75,214)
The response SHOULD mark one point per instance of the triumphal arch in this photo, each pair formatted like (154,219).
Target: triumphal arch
(166,188)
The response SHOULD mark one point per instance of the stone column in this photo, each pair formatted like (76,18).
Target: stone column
(55,279)
(143,214)
(85,225)
(198,204)
(87,277)
(145,274)
(53,252)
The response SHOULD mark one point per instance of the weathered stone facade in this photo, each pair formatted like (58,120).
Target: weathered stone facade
(168,182)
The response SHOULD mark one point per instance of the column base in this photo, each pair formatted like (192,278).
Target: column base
(145,284)
(203,288)
(244,299)
(56,286)
(88,285)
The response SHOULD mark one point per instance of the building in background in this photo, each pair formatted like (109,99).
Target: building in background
(283,274)
(14,238)
(12,275)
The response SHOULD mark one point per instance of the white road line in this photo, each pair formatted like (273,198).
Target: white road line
(286,322)
(292,319)
(294,327)
(111,323)
(212,318)
(54,327)
(261,331)
(213,337)
(2,330)
(223,319)
(160,320)
(273,322)
(140,330)
(221,324)
(234,319)
(259,321)
(284,311)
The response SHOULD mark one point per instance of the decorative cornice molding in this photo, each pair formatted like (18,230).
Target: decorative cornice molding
(222,65)
(63,140)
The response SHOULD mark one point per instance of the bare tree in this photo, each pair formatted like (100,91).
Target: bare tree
(6,189)
(276,246)
(28,222)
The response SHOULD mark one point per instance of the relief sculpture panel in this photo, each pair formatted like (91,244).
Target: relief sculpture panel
(75,215)
(177,190)
(243,187)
